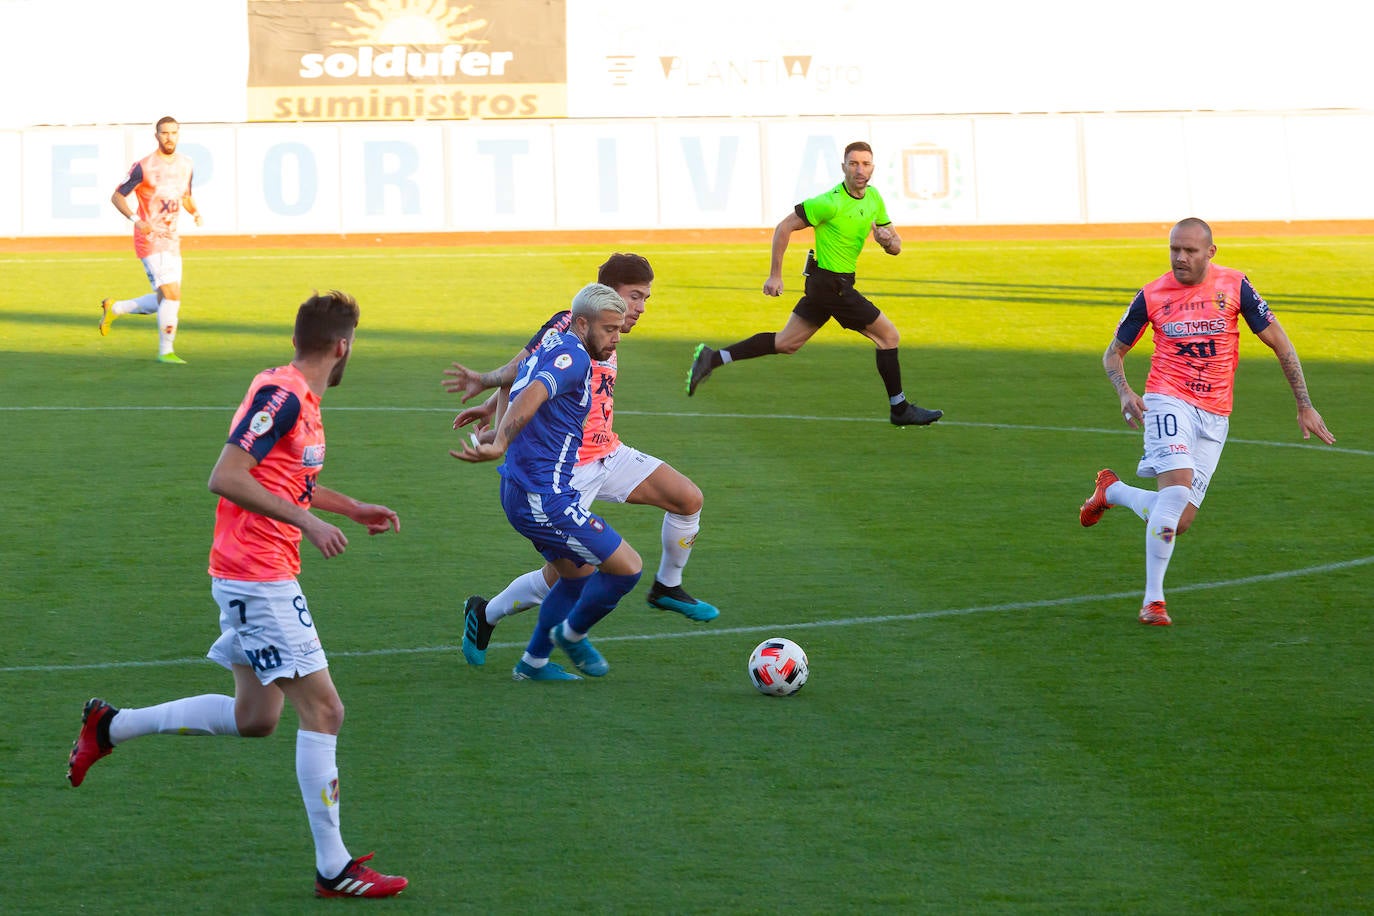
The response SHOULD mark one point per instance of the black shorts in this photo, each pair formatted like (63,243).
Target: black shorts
(831,295)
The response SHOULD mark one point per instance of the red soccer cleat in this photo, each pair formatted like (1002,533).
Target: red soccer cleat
(1090,513)
(93,741)
(1154,614)
(358,880)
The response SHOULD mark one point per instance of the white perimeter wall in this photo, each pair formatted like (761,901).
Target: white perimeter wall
(708,173)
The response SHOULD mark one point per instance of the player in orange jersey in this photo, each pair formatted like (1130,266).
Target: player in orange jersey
(1195,312)
(161,182)
(267,481)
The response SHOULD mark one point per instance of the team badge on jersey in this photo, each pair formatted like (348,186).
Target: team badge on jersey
(261,423)
(562,361)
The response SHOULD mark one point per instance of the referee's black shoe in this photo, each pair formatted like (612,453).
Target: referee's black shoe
(911,415)
(701,368)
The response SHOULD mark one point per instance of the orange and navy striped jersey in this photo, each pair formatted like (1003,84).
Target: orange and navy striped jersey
(161,184)
(598,439)
(279,424)
(1196,334)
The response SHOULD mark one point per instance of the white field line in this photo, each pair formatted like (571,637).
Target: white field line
(730,631)
(1025,427)
(698,632)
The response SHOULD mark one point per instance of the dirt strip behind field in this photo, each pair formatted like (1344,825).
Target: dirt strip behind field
(628,238)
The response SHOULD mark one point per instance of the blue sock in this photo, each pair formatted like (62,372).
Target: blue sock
(599,598)
(554,608)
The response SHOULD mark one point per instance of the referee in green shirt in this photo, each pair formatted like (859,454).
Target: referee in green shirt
(842,218)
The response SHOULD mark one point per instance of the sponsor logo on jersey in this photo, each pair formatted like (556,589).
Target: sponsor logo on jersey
(1194,327)
(312,456)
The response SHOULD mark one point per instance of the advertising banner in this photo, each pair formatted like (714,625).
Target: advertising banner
(701,173)
(406,60)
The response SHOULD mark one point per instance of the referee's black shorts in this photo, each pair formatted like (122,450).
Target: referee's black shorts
(831,295)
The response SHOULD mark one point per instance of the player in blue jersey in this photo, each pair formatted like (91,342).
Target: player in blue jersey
(842,218)
(539,435)
(607,469)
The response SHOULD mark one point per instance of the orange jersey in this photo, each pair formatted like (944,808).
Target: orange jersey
(1196,333)
(598,439)
(161,184)
(279,424)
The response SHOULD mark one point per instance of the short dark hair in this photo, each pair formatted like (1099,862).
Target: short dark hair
(323,320)
(166,119)
(857,145)
(1192,222)
(624,270)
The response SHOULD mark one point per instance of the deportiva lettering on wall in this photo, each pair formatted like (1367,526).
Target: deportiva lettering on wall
(406,60)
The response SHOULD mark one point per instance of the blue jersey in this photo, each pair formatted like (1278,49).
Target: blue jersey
(542,457)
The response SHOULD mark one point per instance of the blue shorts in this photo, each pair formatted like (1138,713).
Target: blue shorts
(558,526)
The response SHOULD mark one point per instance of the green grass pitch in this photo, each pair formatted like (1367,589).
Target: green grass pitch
(986,727)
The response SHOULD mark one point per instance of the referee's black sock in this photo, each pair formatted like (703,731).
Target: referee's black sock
(761,344)
(890,371)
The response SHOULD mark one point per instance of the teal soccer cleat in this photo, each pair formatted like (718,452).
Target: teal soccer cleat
(582,653)
(476,630)
(675,598)
(550,672)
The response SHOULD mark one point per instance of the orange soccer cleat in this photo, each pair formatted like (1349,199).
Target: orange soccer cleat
(1090,513)
(1155,614)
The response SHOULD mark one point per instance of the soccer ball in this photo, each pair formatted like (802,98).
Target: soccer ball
(778,667)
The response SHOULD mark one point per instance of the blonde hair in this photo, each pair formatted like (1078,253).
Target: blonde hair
(595,298)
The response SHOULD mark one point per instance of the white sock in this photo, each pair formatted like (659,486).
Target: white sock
(318,775)
(209,714)
(1139,501)
(167,324)
(143,305)
(523,593)
(1160,534)
(532,661)
(679,534)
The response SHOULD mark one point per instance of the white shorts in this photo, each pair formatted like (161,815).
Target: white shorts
(266,626)
(162,267)
(612,479)
(1179,435)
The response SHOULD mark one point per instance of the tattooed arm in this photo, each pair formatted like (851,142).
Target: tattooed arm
(1309,421)
(1114,362)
